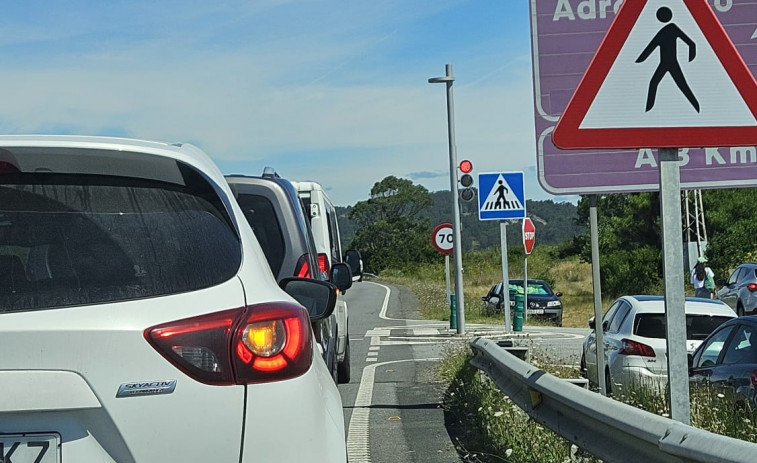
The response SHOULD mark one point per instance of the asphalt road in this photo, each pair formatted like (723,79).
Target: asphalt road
(392,405)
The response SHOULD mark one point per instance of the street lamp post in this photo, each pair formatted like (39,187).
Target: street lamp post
(460,299)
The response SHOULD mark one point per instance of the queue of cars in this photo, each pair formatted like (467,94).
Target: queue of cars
(139,313)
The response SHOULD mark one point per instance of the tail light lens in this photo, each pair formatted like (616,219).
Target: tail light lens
(630,347)
(254,344)
(302,269)
(323,263)
(752,287)
(8,168)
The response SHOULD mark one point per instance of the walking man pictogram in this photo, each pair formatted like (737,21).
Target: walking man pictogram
(501,202)
(666,39)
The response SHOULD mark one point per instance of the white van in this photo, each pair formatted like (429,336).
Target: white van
(325,227)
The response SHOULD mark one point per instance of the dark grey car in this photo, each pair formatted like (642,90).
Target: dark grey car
(740,290)
(275,213)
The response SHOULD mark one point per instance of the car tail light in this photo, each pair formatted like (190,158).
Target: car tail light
(8,168)
(323,263)
(254,344)
(630,347)
(302,270)
(752,287)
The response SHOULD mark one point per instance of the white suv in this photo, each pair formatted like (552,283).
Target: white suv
(325,228)
(139,320)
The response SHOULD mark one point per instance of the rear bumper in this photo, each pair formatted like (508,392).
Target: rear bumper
(310,428)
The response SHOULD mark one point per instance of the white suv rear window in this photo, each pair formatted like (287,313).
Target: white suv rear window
(82,239)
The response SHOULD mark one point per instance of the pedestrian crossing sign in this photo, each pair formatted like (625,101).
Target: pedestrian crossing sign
(501,196)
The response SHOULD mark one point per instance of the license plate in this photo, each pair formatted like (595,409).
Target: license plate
(29,448)
(535,311)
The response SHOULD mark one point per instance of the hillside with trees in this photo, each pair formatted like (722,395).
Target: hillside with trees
(393,230)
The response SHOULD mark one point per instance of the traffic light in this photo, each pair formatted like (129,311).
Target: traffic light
(466,180)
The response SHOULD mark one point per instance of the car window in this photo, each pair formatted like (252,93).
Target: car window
(650,325)
(620,316)
(742,348)
(708,353)
(698,327)
(261,215)
(734,276)
(85,239)
(610,313)
(333,226)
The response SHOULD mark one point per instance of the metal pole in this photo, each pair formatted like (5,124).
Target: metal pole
(675,316)
(598,328)
(448,79)
(525,289)
(505,276)
(446,276)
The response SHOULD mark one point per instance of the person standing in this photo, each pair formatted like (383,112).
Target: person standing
(703,279)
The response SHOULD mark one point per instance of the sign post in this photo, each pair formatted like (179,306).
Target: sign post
(529,238)
(708,100)
(442,239)
(502,196)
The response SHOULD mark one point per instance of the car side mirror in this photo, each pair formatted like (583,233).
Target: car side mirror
(558,294)
(592,324)
(341,276)
(355,261)
(318,297)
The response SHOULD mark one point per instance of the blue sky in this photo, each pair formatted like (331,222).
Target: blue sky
(331,91)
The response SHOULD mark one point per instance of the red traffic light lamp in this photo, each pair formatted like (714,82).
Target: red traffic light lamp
(465,166)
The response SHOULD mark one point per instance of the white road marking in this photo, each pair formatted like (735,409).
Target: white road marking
(358,447)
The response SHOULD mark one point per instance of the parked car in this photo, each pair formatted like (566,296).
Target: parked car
(727,361)
(542,302)
(274,211)
(323,221)
(740,291)
(138,315)
(635,339)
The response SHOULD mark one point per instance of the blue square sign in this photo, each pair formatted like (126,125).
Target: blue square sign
(501,196)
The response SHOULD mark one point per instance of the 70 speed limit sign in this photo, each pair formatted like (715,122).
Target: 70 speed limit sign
(442,238)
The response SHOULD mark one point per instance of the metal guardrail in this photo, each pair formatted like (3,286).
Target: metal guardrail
(610,430)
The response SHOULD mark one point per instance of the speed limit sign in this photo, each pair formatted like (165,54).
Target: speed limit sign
(442,238)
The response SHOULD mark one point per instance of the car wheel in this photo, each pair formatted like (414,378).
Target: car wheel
(739,310)
(343,369)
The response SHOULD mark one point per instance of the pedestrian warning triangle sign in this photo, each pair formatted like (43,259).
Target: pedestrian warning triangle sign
(501,197)
(666,75)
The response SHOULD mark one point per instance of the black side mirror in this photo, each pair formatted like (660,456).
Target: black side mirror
(355,261)
(341,276)
(592,324)
(558,294)
(318,297)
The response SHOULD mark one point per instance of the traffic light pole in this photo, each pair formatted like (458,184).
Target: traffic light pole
(448,79)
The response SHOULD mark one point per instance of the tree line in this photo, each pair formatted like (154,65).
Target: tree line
(393,230)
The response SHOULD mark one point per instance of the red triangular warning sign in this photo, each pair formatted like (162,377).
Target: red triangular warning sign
(666,75)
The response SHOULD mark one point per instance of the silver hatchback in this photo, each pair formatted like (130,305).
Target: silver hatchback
(740,291)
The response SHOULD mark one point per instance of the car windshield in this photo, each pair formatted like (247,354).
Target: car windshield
(533,288)
(71,239)
(698,326)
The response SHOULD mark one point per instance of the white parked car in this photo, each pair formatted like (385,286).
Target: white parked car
(139,320)
(635,344)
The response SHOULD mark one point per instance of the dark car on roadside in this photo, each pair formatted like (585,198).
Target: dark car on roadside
(740,290)
(542,302)
(273,209)
(726,362)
